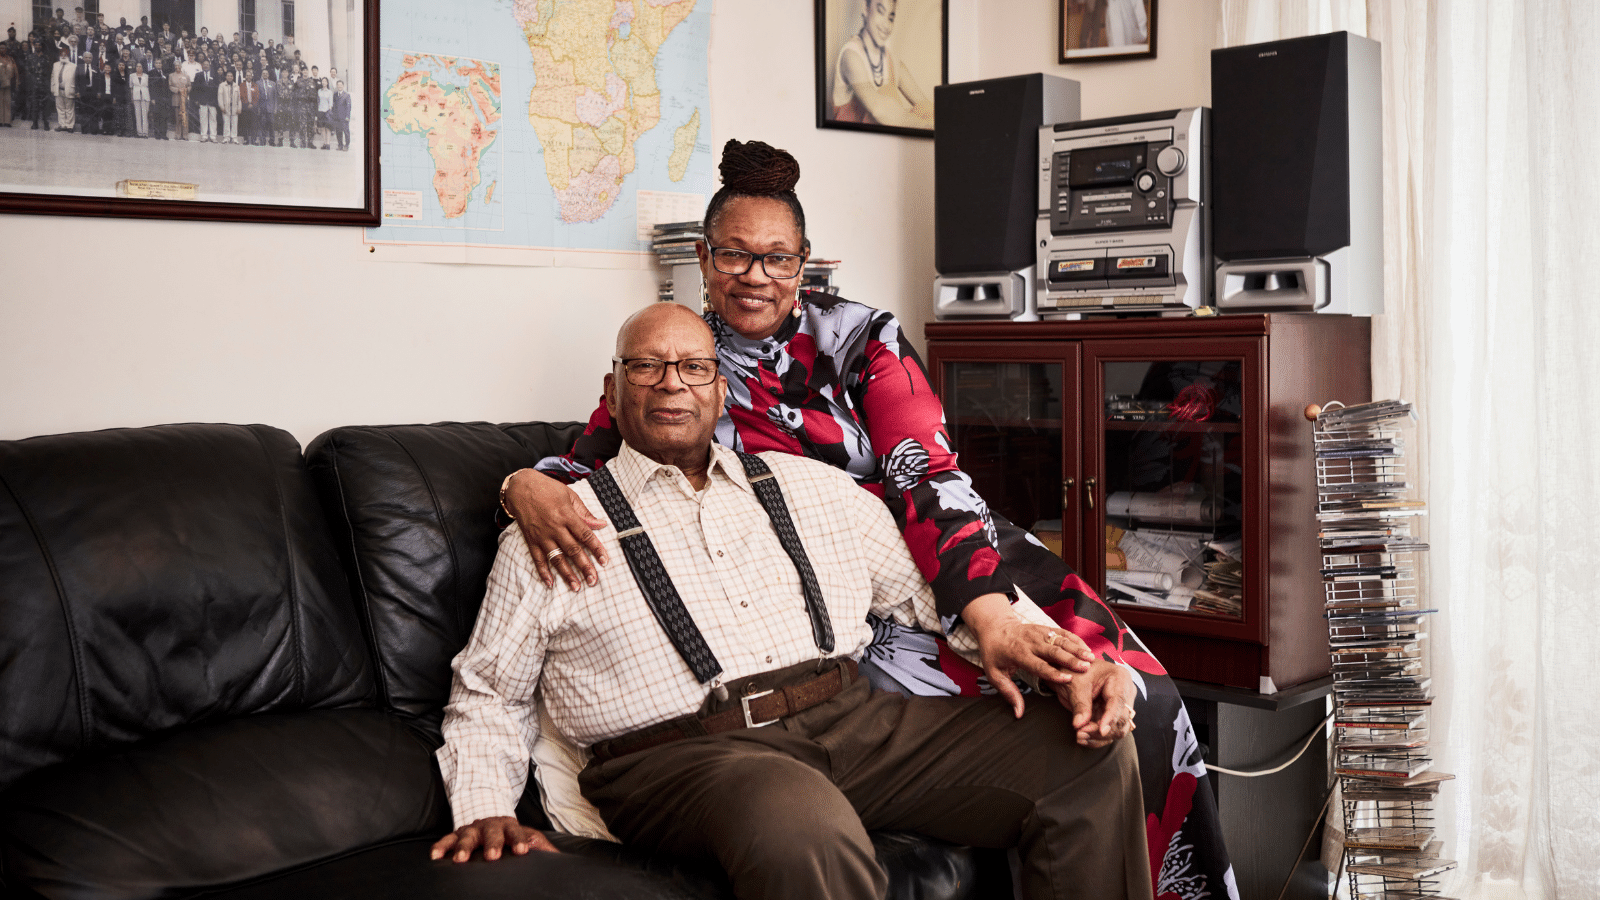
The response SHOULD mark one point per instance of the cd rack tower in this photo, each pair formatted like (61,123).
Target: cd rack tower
(1371,555)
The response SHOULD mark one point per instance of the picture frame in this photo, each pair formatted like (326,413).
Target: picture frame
(894,95)
(1107,30)
(285,178)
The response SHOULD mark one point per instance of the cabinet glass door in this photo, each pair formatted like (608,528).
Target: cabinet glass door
(1173,485)
(1005,419)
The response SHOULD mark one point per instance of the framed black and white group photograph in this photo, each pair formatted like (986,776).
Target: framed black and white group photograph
(1100,30)
(878,62)
(232,110)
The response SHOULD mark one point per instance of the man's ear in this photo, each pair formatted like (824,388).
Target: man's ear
(722,393)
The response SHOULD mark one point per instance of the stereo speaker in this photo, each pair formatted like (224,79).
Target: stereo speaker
(1297,175)
(985,172)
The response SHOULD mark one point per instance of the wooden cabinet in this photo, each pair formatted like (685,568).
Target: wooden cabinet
(1172,457)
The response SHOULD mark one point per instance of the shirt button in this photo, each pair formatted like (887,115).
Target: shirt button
(744,603)
(769,659)
(719,552)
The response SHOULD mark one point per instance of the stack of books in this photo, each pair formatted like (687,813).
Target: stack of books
(1370,556)
(818,276)
(673,242)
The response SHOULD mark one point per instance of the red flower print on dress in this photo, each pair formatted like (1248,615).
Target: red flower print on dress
(803,350)
(1171,860)
(821,427)
(1093,633)
(921,537)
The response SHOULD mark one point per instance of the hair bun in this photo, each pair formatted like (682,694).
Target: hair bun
(758,169)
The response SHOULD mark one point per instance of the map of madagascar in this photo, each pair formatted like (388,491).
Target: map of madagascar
(455,120)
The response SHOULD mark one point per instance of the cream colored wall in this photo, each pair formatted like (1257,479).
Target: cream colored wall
(107,322)
(1013,37)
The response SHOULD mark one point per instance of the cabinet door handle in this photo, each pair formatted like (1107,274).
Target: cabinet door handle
(1088,492)
(1066,493)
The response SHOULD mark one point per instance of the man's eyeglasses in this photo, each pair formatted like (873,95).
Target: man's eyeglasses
(651,372)
(729,261)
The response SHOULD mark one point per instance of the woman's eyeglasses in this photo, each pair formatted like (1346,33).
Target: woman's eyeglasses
(729,261)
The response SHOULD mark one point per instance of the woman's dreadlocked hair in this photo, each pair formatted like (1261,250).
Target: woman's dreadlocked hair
(756,169)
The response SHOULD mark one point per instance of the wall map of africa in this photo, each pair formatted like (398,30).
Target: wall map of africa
(533,123)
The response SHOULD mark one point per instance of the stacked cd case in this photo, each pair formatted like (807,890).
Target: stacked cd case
(1369,516)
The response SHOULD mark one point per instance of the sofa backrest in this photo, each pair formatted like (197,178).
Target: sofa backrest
(157,577)
(412,508)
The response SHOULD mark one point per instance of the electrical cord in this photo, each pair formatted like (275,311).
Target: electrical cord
(1304,746)
(1326,802)
(1301,752)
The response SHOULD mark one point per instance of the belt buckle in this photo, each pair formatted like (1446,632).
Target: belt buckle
(744,706)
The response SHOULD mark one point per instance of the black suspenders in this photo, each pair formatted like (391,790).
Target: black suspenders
(770,494)
(662,596)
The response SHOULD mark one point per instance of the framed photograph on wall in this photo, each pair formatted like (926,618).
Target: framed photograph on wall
(1100,30)
(878,62)
(238,110)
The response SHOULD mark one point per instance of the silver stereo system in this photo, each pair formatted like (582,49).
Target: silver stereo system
(1124,215)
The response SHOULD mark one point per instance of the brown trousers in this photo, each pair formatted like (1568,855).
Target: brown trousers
(785,808)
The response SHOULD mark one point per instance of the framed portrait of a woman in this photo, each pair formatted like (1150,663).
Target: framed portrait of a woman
(1103,30)
(878,62)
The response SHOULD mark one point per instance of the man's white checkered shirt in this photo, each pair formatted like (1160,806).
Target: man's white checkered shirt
(604,664)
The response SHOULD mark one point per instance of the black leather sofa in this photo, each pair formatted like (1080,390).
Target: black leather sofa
(223,667)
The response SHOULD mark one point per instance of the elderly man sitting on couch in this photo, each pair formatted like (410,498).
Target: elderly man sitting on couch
(751,579)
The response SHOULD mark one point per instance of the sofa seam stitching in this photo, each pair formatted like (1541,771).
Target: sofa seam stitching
(85,715)
(294,571)
(444,529)
(363,606)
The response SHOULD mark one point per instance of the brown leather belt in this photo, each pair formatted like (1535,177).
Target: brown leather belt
(752,711)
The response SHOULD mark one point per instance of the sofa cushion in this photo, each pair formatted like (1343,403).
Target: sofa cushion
(412,508)
(918,869)
(152,578)
(402,871)
(218,804)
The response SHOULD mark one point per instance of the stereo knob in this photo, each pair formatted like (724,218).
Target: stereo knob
(1144,182)
(1170,161)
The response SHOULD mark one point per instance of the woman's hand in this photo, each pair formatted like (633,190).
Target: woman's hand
(1010,645)
(559,529)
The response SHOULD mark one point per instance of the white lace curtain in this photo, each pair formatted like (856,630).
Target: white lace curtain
(1492,227)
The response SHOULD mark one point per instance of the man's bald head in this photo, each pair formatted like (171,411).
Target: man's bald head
(652,317)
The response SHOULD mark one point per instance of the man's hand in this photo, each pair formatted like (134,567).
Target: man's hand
(553,518)
(1009,645)
(1101,703)
(492,834)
